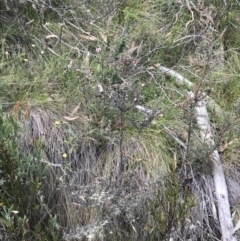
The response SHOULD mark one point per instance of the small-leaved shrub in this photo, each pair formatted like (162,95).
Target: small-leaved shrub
(23,212)
(169,207)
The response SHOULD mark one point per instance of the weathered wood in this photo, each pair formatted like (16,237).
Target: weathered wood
(180,80)
(221,192)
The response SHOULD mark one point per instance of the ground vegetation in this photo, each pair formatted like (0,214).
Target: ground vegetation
(112,113)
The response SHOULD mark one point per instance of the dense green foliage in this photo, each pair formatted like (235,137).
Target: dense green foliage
(21,195)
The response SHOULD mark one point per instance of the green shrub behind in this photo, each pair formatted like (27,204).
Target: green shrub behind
(23,213)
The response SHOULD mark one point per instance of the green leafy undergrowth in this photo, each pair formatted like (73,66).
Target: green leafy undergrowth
(170,207)
(23,213)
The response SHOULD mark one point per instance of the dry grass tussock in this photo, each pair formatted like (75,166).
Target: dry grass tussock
(84,190)
(83,186)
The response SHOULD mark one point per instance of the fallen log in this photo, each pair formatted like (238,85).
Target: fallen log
(221,192)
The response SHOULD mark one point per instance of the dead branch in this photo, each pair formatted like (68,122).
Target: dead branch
(221,192)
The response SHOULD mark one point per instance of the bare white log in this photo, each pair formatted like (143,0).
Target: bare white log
(179,78)
(221,192)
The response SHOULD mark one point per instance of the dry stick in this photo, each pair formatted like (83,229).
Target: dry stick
(53,165)
(174,136)
(221,191)
(143,109)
